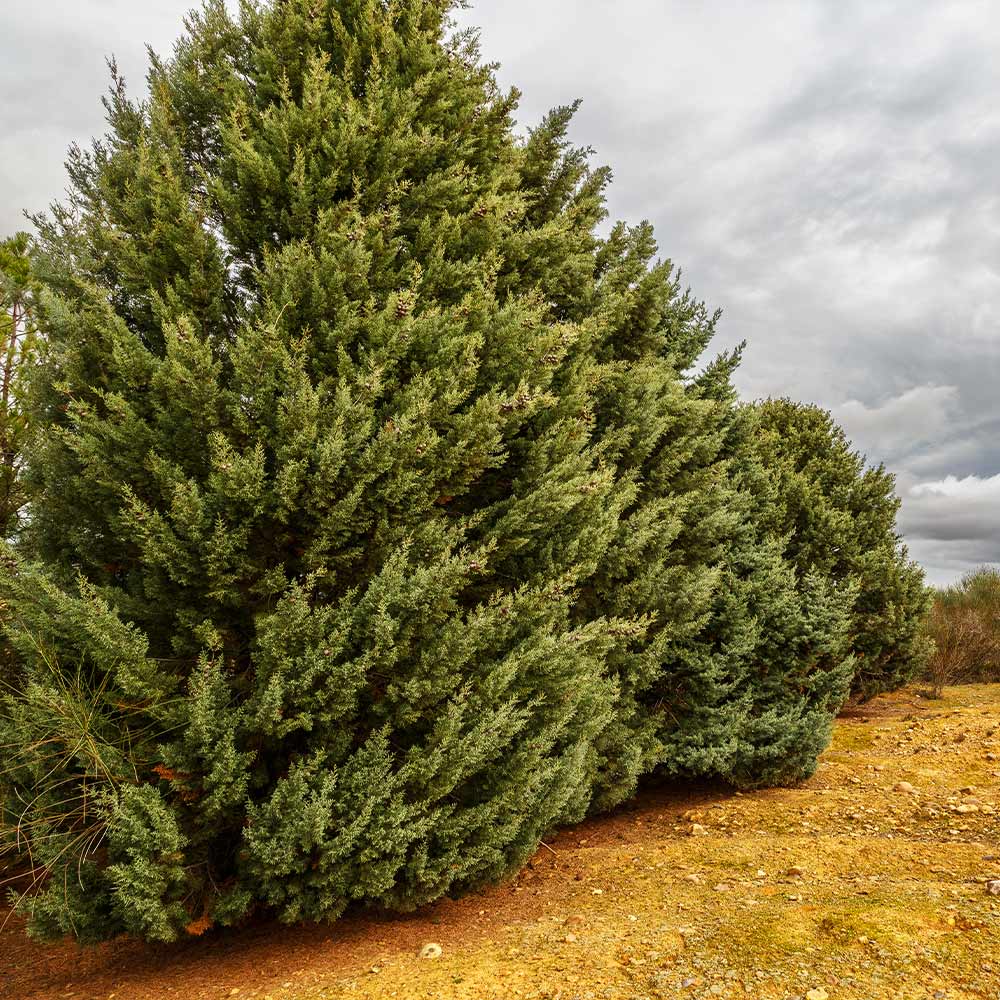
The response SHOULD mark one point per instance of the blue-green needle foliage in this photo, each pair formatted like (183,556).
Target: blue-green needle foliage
(381,520)
(839,517)
(331,468)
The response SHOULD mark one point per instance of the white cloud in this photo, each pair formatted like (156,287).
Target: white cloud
(972,488)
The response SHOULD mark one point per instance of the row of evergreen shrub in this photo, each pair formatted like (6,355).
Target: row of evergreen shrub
(383,513)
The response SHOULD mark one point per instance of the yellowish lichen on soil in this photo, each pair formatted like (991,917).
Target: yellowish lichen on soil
(841,885)
(844,887)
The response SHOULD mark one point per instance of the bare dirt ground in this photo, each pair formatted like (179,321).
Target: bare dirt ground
(868,881)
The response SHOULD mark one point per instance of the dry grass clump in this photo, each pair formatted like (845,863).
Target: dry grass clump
(965,625)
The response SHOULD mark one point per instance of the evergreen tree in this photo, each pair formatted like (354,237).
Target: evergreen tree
(329,478)
(742,665)
(787,633)
(839,516)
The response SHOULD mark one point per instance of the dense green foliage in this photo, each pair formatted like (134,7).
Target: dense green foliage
(18,337)
(18,342)
(381,518)
(840,520)
(331,464)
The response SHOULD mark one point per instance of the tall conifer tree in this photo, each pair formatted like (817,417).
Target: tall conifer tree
(741,664)
(838,515)
(338,481)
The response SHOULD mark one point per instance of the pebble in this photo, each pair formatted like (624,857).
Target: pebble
(817,994)
(905,787)
(431,950)
(697,830)
(796,872)
(693,879)
(993,888)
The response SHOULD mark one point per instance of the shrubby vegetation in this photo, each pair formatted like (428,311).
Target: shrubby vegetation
(964,625)
(382,513)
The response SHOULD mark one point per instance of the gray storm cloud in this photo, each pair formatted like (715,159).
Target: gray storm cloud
(824,172)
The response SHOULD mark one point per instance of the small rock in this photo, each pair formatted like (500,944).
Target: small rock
(722,887)
(693,879)
(697,830)
(968,790)
(431,950)
(993,888)
(905,787)
(597,892)
(817,994)
(967,807)
(688,983)
(761,873)
(570,939)
(796,872)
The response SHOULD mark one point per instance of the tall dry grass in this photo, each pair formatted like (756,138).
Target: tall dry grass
(964,623)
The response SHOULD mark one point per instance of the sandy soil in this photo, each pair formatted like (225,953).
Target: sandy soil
(844,887)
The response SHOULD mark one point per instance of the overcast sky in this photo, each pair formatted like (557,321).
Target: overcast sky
(825,171)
